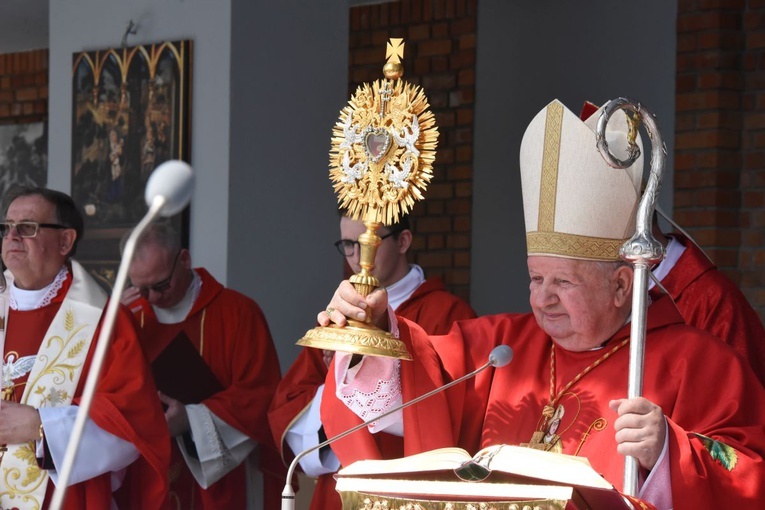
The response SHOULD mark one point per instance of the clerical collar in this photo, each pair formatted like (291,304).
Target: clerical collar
(674,249)
(598,347)
(24,300)
(179,312)
(405,287)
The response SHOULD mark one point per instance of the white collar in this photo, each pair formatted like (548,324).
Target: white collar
(674,250)
(24,300)
(179,312)
(405,287)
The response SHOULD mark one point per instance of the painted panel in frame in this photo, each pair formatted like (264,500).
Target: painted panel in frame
(130,113)
(23,157)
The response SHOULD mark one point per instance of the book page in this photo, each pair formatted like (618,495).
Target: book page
(514,460)
(441,459)
(548,466)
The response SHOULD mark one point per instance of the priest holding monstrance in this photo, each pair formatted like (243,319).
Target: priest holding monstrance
(696,432)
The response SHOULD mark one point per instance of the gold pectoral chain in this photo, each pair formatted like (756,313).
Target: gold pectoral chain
(551,409)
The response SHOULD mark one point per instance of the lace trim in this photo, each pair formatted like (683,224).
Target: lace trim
(384,396)
(51,293)
(214,437)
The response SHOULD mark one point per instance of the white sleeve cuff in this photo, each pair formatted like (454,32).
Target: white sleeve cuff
(304,434)
(99,451)
(220,447)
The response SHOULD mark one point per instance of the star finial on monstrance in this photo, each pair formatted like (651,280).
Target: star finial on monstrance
(381,161)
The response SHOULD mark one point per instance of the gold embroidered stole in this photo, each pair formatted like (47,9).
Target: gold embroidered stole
(51,383)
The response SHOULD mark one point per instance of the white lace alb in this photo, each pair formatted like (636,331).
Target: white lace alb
(28,299)
(380,396)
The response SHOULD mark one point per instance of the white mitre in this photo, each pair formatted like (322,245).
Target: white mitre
(575,205)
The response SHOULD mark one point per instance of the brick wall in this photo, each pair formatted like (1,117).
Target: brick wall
(439,55)
(720,123)
(24,87)
(720,135)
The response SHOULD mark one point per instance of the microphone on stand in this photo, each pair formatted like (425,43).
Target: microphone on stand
(498,357)
(168,191)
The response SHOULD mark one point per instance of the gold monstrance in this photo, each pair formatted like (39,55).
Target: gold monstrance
(381,160)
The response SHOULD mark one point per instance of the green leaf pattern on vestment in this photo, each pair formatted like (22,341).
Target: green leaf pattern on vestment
(720,452)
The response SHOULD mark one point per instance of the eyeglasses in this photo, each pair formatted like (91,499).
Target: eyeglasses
(162,285)
(27,228)
(346,247)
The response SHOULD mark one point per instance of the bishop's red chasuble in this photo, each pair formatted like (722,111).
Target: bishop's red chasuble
(714,404)
(709,300)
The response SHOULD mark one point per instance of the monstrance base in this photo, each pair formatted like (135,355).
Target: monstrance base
(356,338)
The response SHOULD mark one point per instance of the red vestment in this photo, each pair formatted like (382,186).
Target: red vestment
(709,300)
(231,333)
(125,404)
(430,305)
(701,385)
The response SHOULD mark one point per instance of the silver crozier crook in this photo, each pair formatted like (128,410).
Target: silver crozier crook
(642,251)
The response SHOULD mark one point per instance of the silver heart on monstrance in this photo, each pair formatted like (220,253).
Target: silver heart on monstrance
(376,143)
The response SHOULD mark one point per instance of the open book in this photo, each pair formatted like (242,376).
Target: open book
(506,473)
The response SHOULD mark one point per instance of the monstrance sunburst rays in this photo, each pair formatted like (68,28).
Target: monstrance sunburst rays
(381,161)
(380,165)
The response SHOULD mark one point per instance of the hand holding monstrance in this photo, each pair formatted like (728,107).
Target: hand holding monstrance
(381,160)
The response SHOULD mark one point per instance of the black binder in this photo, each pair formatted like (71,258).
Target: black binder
(181,373)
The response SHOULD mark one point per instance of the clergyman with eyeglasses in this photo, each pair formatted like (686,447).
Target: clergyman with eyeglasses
(50,311)
(216,429)
(426,302)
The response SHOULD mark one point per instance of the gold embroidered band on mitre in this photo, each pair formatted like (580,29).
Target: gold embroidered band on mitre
(546,241)
(575,205)
(548,188)
(573,246)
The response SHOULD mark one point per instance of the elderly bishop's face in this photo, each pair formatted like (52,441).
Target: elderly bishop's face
(580,304)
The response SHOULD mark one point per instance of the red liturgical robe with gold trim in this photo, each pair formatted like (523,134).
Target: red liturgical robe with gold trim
(704,388)
(709,300)
(125,404)
(430,305)
(230,331)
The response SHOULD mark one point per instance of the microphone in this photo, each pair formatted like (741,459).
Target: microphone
(498,357)
(172,183)
(168,190)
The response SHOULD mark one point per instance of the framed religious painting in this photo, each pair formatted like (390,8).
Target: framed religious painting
(130,113)
(23,157)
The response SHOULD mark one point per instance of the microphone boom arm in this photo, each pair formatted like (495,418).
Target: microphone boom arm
(104,339)
(288,495)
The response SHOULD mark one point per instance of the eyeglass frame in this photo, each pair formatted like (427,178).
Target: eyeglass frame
(161,286)
(340,244)
(7,226)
